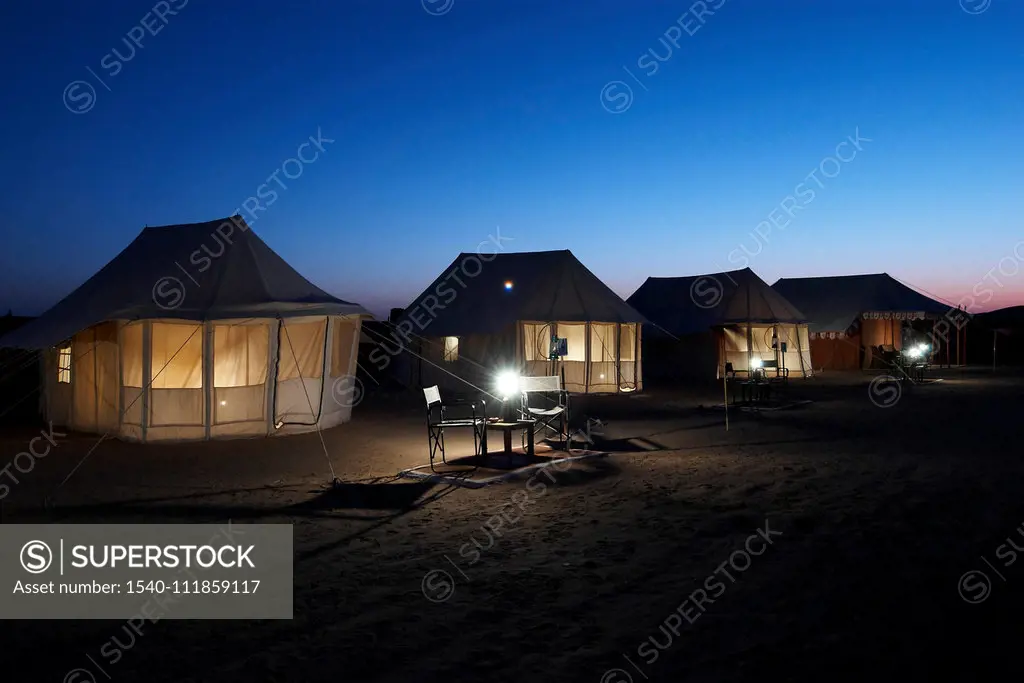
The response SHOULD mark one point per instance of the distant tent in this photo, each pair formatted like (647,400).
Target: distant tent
(194,332)
(849,315)
(494,312)
(999,339)
(702,322)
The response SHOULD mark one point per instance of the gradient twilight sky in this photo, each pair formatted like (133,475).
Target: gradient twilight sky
(454,117)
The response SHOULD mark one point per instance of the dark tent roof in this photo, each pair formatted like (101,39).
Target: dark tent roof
(469,297)
(686,305)
(1008,320)
(11,322)
(198,271)
(833,303)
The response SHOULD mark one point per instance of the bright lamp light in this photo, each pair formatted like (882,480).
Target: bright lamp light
(918,351)
(755,363)
(508,383)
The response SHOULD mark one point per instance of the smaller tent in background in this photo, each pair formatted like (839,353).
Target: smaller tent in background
(488,313)
(851,315)
(702,322)
(997,337)
(196,331)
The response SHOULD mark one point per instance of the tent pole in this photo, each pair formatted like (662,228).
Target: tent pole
(946,344)
(725,388)
(965,336)
(750,336)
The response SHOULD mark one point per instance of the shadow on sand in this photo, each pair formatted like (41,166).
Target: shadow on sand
(376,496)
(387,495)
(632,444)
(503,462)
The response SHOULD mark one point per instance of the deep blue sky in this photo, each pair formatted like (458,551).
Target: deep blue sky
(491,115)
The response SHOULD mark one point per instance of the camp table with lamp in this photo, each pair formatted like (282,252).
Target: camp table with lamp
(517,413)
(916,361)
(756,388)
(509,390)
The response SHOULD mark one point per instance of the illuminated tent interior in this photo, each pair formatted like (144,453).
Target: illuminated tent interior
(489,313)
(196,331)
(850,314)
(701,322)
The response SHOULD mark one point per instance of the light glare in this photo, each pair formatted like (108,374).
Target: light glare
(508,383)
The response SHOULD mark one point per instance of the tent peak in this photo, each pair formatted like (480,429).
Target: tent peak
(723,273)
(518,253)
(236,219)
(837,277)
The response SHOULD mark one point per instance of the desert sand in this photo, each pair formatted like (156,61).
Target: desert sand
(874,515)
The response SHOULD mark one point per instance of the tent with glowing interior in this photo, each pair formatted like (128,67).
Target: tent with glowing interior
(702,322)
(490,313)
(196,331)
(850,315)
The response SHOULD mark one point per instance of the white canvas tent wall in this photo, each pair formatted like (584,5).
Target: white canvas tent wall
(196,331)
(467,326)
(701,322)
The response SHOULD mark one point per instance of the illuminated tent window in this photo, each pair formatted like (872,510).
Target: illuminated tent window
(536,341)
(341,347)
(602,343)
(132,351)
(177,356)
(240,355)
(176,376)
(451,350)
(627,343)
(301,350)
(576,340)
(64,365)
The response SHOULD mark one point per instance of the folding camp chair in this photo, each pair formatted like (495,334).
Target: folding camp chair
(553,414)
(438,421)
(778,378)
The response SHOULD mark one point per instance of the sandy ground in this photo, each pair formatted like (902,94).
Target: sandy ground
(873,514)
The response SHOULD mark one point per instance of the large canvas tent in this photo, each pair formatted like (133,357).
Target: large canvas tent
(702,322)
(488,313)
(194,332)
(849,315)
